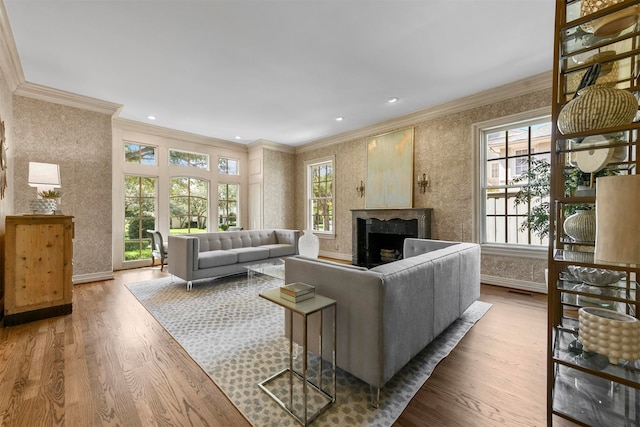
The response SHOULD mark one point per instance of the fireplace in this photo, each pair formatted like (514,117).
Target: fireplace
(378,234)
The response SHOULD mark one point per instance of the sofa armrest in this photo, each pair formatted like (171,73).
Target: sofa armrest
(359,303)
(288,237)
(183,256)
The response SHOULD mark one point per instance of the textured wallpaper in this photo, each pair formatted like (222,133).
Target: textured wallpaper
(443,150)
(80,142)
(278,187)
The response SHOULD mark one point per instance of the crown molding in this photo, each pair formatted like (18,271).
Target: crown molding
(270,145)
(9,58)
(531,84)
(146,128)
(56,96)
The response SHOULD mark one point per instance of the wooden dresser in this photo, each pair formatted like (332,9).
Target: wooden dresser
(38,267)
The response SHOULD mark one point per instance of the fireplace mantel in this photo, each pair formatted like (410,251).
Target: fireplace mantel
(397,224)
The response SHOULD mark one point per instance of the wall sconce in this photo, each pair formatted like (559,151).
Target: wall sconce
(360,189)
(423,182)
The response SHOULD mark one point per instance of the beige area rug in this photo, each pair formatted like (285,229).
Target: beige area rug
(237,338)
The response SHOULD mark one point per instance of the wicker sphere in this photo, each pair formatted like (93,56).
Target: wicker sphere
(597,107)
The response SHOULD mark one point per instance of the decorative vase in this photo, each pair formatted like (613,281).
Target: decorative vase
(612,334)
(308,244)
(42,206)
(597,107)
(581,226)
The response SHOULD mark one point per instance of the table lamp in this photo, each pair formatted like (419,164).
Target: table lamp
(44,177)
(618,219)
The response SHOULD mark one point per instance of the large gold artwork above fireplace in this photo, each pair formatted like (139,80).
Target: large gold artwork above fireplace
(378,234)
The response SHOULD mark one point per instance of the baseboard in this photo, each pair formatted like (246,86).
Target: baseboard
(92,277)
(522,285)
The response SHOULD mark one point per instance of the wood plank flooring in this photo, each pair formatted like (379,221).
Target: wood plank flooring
(111,364)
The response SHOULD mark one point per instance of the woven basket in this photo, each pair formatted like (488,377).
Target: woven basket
(597,107)
(609,24)
(608,71)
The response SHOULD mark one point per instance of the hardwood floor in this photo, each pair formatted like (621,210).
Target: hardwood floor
(111,363)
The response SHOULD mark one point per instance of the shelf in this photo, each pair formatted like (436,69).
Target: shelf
(567,257)
(585,387)
(593,400)
(568,351)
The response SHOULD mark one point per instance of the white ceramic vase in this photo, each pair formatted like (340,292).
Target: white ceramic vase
(308,244)
(612,334)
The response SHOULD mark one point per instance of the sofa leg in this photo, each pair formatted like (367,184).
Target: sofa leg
(189,285)
(374,393)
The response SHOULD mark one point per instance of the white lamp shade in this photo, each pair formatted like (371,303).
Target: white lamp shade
(618,219)
(44,175)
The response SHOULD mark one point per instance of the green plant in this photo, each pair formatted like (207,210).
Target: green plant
(50,194)
(536,191)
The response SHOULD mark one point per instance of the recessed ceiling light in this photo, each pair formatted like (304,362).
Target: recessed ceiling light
(151,117)
(237,137)
(392,100)
(339,119)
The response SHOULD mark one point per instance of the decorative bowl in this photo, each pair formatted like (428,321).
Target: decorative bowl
(595,276)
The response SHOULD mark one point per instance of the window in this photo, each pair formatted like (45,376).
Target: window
(185,158)
(139,216)
(495,170)
(228,166)
(522,162)
(320,210)
(511,154)
(188,205)
(227,206)
(137,153)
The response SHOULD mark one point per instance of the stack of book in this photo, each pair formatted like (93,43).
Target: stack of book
(296,292)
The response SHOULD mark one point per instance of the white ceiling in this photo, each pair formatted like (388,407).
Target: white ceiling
(279,70)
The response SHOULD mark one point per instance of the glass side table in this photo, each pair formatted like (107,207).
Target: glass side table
(321,398)
(274,268)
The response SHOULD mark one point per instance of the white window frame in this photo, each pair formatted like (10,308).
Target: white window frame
(177,150)
(308,192)
(479,162)
(228,159)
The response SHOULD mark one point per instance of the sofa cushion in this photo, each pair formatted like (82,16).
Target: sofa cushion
(210,259)
(278,249)
(251,254)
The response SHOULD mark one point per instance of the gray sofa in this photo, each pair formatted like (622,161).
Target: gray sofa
(207,255)
(387,314)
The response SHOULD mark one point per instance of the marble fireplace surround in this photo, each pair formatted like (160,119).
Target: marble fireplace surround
(375,229)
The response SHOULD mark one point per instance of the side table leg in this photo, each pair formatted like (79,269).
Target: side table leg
(335,345)
(304,369)
(290,359)
(320,347)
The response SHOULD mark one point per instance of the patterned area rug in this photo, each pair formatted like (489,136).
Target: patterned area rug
(237,338)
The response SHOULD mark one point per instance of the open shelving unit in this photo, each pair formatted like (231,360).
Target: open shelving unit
(585,387)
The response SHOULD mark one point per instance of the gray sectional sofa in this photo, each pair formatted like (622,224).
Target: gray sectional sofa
(207,255)
(387,314)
